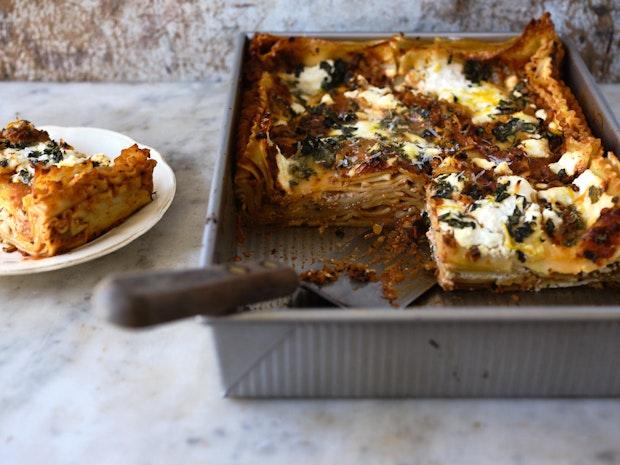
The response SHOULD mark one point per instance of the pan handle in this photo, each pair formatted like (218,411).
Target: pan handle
(136,300)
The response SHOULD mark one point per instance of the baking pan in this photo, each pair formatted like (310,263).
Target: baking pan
(559,342)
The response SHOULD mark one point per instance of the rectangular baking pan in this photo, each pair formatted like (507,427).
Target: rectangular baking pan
(561,342)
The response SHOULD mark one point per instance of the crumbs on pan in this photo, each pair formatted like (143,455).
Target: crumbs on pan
(330,273)
(391,257)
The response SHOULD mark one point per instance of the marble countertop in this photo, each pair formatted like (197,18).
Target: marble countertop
(75,390)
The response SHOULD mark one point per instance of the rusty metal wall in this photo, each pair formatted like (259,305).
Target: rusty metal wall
(161,40)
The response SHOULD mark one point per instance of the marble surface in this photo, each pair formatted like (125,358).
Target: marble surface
(155,40)
(75,390)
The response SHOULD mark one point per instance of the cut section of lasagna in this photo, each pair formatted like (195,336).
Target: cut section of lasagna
(54,198)
(484,137)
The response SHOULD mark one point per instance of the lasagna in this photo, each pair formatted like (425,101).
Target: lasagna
(54,198)
(484,138)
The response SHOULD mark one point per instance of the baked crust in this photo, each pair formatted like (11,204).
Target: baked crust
(484,137)
(64,207)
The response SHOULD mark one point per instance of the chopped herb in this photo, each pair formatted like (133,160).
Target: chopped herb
(516,102)
(555,140)
(476,71)
(330,122)
(521,256)
(458,222)
(517,229)
(391,122)
(299,67)
(504,130)
(4,162)
(348,131)
(507,107)
(549,227)
(319,109)
(573,225)
(590,255)
(473,191)
(338,73)
(25,175)
(53,152)
(17,146)
(384,150)
(500,193)
(428,133)
(300,170)
(595,193)
(562,175)
(443,190)
(322,150)
(348,117)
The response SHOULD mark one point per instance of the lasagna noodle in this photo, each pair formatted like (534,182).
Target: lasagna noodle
(492,111)
(69,206)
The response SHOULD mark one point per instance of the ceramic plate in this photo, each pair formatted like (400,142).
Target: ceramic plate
(91,141)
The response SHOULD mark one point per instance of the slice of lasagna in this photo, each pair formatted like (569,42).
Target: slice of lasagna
(482,136)
(54,198)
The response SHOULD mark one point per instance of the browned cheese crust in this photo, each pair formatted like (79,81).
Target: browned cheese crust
(485,137)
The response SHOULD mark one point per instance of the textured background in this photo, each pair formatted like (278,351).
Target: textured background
(155,40)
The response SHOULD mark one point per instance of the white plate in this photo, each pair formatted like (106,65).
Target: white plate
(91,141)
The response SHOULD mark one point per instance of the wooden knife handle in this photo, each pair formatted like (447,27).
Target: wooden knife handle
(144,299)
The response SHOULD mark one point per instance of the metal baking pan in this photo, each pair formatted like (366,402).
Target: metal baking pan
(561,342)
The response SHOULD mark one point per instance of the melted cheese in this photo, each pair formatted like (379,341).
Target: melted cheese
(541,114)
(524,117)
(377,98)
(284,176)
(591,211)
(484,163)
(489,233)
(518,186)
(369,129)
(22,161)
(420,150)
(535,148)
(298,108)
(503,168)
(433,74)
(567,162)
(310,80)
(581,199)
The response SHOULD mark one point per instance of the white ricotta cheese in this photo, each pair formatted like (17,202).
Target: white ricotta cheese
(562,195)
(298,108)
(484,163)
(541,114)
(379,98)
(447,80)
(567,162)
(535,148)
(518,186)
(310,80)
(590,206)
(503,168)
(327,99)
